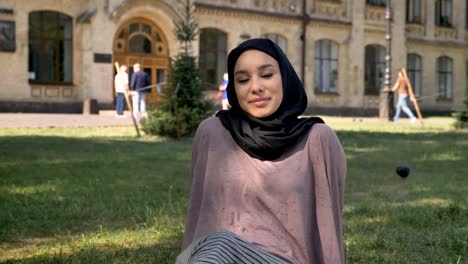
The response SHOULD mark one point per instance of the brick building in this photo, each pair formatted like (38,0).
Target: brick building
(57,53)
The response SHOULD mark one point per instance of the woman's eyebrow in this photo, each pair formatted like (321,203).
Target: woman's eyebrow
(262,67)
(265,66)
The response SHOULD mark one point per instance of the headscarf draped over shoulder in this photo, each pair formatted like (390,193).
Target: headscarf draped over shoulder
(267,138)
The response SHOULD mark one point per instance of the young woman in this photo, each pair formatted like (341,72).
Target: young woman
(266,186)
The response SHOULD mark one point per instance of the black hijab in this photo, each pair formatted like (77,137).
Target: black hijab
(267,138)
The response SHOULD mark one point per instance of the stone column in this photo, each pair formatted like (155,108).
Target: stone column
(356,53)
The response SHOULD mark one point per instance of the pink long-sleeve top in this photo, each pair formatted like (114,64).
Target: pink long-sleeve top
(290,207)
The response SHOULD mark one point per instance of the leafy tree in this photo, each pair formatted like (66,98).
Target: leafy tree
(181,107)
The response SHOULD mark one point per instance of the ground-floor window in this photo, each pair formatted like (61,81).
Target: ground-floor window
(212,57)
(374,69)
(50,47)
(326,66)
(444,77)
(415,73)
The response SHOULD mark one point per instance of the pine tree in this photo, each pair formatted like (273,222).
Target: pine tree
(182,107)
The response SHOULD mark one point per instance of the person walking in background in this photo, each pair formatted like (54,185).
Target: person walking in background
(140,81)
(224,96)
(402,87)
(266,185)
(121,87)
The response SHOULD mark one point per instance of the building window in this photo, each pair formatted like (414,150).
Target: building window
(444,77)
(415,73)
(374,69)
(377,2)
(413,11)
(278,39)
(326,66)
(139,44)
(212,58)
(443,16)
(50,47)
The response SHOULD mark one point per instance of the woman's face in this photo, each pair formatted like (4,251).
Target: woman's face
(258,83)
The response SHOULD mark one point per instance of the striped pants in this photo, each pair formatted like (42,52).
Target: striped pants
(225,247)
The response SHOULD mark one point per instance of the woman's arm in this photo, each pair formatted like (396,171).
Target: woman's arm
(197,179)
(329,169)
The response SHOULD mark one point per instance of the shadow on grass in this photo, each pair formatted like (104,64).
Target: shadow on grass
(64,186)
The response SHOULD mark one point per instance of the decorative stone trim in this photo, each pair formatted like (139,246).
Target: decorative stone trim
(375,14)
(36,91)
(67,92)
(415,30)
(52,91)
(243,13)
(445,33)
(330,9)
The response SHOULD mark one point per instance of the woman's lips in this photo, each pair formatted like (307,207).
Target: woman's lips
(260,102)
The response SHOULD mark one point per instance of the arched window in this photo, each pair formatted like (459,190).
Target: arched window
(374,69)
(444,77)
(326,66)
(50,47)
(278,39)
(415,73)
(212,60)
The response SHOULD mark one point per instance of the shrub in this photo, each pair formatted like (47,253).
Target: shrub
(461,117)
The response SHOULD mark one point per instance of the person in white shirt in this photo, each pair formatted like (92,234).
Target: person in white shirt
(121,87)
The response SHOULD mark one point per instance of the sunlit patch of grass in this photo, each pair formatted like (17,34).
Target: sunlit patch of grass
(26,190)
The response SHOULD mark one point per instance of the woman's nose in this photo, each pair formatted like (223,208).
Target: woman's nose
(257,85)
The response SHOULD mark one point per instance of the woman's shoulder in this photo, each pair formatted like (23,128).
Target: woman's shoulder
(209,125)
(321,132)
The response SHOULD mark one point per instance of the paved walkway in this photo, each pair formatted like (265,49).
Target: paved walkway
(106,118)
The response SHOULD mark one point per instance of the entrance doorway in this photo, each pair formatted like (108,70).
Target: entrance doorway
(141,41)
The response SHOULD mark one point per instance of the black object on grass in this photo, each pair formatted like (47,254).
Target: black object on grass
(403,171)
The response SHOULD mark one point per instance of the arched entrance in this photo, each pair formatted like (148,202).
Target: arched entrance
(141,41)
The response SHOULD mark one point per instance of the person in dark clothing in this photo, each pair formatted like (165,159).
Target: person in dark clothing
(140,81)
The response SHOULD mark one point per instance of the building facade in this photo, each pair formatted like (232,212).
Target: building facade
(57,54)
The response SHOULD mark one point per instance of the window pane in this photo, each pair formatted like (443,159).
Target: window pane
(317,49)
(212,59)
(146,29)
(134,27)
(50,58)
(65,27)
(449,86)
(140,44)
(67,61)
(334,76)
(334,49)
(34,59)
(317,74)
(34,24)
(49,24)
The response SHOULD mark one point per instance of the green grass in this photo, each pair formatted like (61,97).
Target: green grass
(99,195)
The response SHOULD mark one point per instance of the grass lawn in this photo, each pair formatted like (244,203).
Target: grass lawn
(99,195)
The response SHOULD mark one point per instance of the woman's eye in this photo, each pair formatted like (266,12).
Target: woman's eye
(267,75)
(242,80)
